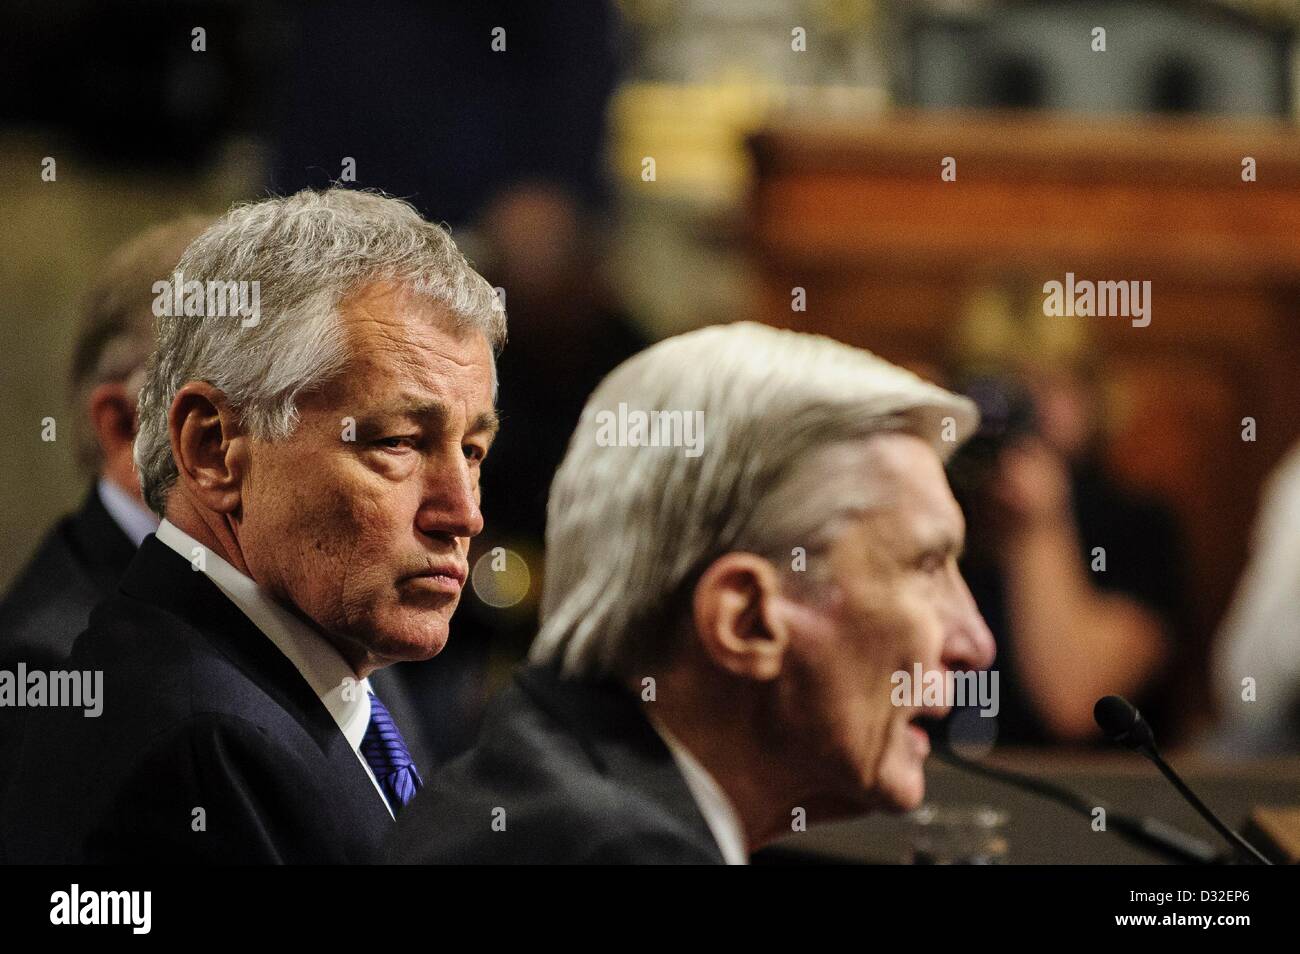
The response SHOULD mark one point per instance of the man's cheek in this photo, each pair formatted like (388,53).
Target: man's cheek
(872,727)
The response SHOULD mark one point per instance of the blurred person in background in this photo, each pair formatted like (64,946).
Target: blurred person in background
(514,162)
(567,331)
(82,557)
(1256,666)
(1040,501)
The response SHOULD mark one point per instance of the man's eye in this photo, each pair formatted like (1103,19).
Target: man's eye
(474,453)
(395,443)
(933,562)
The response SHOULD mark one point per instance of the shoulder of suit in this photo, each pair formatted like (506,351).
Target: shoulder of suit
(528,792)
(587,820)
(47,603)
(166,664)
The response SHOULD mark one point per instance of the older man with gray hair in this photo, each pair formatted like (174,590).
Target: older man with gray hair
(723,617)
(311,429)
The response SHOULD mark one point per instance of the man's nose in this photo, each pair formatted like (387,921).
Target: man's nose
(450,506)
(969,644)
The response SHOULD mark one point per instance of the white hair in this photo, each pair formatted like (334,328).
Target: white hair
(306,252)
(631,528)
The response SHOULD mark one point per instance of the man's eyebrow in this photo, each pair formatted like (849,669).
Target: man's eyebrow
(946,544)
(488,422)
(439,412)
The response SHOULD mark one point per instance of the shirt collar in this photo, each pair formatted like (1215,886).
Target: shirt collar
(713,803)
(132,518)
(346,697)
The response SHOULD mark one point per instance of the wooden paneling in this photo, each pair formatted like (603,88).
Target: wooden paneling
(858,215)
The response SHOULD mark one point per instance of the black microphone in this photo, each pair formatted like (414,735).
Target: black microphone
(1120,720)
(1147,833)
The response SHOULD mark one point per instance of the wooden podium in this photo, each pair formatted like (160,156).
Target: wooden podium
(888,253)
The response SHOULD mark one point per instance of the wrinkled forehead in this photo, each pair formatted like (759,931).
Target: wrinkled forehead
(392,333)
(389,311)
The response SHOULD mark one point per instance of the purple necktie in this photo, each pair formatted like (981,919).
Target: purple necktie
(387,755)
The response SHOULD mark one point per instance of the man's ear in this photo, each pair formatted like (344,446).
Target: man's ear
(207,446)
(736,619)
(112,415)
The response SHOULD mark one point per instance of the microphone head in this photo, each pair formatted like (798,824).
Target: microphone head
(1121,722)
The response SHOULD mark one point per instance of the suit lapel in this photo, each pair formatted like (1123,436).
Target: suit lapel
(161,577)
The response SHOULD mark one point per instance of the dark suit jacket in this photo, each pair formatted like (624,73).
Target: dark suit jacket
(200,711)
(582,777)
(78,564)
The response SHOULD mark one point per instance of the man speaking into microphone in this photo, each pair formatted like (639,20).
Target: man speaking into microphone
(724,613)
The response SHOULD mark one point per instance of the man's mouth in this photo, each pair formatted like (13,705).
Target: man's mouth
(447,576)
(925,725)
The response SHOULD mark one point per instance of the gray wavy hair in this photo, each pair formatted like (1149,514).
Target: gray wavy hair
(630,529)
(307,252)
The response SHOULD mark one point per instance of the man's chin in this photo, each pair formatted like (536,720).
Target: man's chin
(904,790)
(410,642)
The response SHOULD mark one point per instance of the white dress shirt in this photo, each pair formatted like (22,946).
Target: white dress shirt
(713,803)
(345,697)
